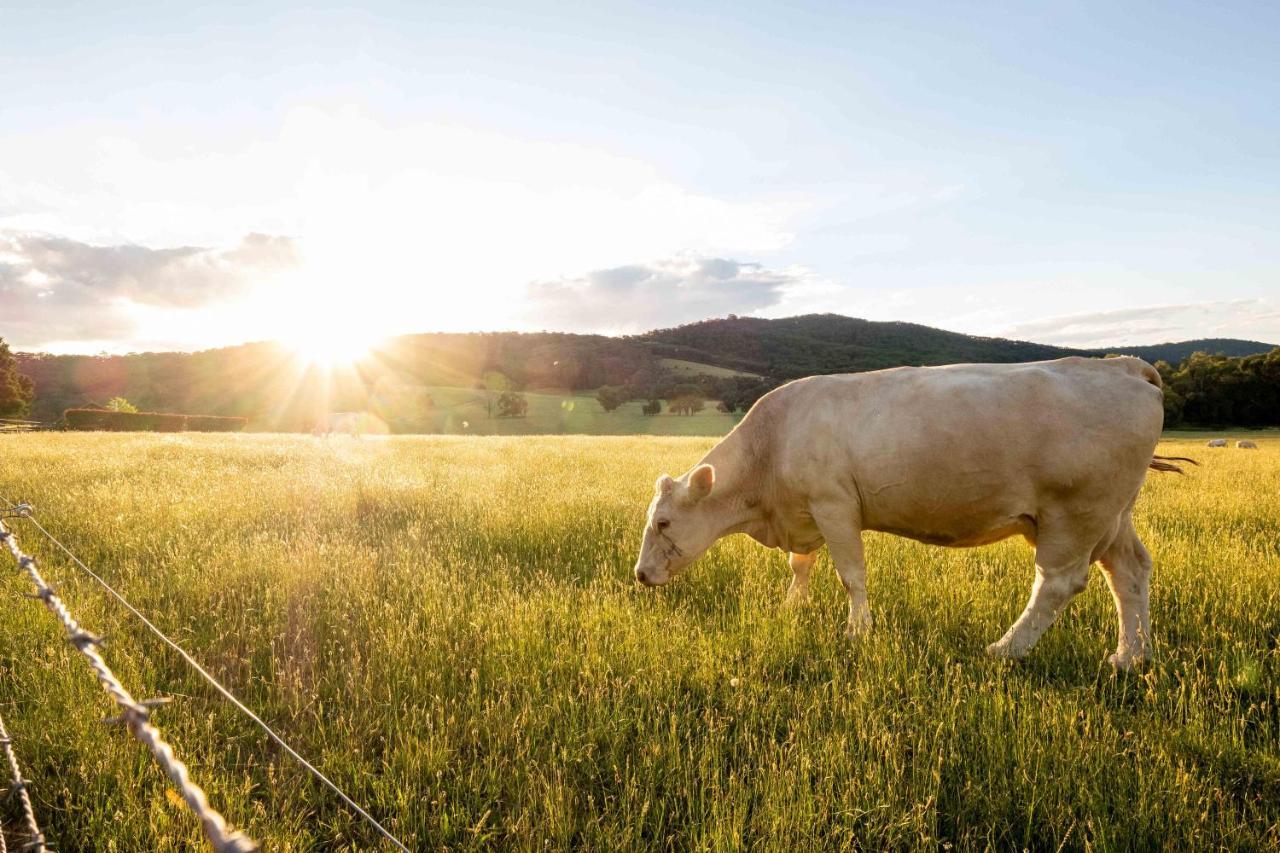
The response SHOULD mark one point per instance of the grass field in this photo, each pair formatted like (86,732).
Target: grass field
(697,368)
(448,626)
(463,411)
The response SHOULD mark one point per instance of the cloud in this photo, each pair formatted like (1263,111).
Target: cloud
(1255,318)
(55,289)
(639,297)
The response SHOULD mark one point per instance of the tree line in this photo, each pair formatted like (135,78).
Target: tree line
(1219,391)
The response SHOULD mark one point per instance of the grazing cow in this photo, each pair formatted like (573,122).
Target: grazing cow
(1246,444)
(339,422)
(964,455)
(1216,442)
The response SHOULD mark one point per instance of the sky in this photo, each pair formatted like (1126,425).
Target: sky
(181,176)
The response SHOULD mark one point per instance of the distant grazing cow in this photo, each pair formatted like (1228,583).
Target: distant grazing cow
(1246,444)
(963,455)
(1216,442)
(339,422)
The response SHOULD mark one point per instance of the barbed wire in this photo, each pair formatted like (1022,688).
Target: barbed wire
(18,788)
(213,682)
(135,715)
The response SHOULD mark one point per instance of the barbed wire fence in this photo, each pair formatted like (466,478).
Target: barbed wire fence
(18,789)
(136,715)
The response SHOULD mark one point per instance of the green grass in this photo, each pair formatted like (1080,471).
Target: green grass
(449,628)
(464,411)
(696,368)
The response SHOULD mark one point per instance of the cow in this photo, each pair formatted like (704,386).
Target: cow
(961,455)
(1246,444)
(1216,442)
(339,422)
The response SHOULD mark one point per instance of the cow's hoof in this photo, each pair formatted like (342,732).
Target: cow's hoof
(858,627)
(1004,650)
(795,600)
(1126,661)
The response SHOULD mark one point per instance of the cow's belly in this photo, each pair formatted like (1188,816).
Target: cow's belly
(968,534)
(960,511)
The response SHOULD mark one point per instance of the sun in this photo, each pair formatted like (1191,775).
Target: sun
(330,347)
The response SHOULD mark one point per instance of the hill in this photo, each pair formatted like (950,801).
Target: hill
(831,343)
(1176,352)
(734,359)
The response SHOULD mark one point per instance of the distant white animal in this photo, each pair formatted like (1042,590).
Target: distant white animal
(338,422)
(963,455)
(1216,442)
(1246,444)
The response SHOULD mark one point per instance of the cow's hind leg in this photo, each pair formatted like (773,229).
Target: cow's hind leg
(844,544)
(1126,564)
(801,566)
(1062,573)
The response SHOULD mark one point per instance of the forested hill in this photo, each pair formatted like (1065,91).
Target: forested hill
(1176,352)
(731,359)
(830,343)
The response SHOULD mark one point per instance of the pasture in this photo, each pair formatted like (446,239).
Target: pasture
(448,627)
(465,411)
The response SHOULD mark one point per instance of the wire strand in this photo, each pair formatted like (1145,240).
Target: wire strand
(217,685)
(18,786)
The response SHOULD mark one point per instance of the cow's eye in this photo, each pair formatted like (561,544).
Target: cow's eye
(663,524)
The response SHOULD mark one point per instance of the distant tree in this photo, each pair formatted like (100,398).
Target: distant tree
(687,404)
(16,390)
(652,407)
(512,404)
(725,407)
(120,404)
(611,397)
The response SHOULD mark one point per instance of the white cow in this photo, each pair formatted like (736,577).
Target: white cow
(965,455)
(339,422)
(1246,444)
(1216,442)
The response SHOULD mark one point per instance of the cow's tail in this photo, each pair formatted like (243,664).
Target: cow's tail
(1166,463)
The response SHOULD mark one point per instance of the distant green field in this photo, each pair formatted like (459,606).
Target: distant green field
(464,411)
(694,368)
(449,627)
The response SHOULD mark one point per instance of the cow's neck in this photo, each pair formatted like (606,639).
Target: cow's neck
(743,491)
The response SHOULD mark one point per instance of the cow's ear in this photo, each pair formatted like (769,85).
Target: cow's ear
(664,484)
(701,481)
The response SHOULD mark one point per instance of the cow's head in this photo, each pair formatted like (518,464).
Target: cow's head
(680,526)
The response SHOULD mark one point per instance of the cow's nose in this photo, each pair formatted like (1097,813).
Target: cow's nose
(641,576)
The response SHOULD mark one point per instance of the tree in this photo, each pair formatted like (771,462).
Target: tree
(120,404)
(611,397)
(687,404)
(652,407)
(512,404)
(16,390)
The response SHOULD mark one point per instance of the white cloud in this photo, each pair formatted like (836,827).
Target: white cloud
(640,297)
(55,290)
(1246,318)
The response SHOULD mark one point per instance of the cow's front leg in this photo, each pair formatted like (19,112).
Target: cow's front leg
(801,566)
(844,543)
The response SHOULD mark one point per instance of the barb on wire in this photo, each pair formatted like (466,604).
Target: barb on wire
(214,683)
(135,715)
(18,788)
